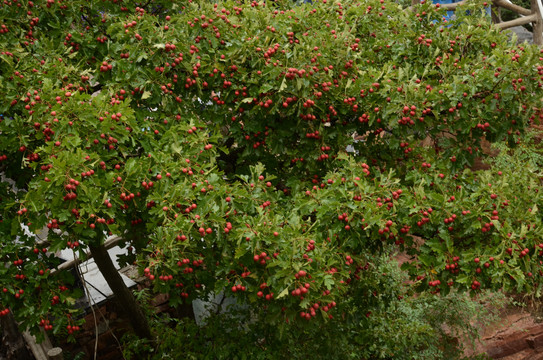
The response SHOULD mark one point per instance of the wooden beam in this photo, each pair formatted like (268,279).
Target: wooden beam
(538,25)
(37,350)
(500,3)
(452,6)
(45,350)
(517,22)
(515,8)
(108,244)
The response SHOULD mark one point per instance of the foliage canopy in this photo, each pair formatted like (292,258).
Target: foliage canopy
(270,151)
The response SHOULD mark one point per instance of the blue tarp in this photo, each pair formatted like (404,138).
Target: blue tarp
(451,13)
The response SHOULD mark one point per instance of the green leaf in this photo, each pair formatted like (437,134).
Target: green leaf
(283,293)
(426,260)
(283,84)
(240,251)
(329,282)
(463,279)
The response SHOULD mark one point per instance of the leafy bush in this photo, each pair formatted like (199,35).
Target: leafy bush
(389,323)
(212,138)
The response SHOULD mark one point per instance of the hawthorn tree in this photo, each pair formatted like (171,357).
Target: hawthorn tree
(213,138)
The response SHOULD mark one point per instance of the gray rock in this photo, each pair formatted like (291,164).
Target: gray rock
(522,34)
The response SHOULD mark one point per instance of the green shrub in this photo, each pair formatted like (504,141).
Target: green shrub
(212,138)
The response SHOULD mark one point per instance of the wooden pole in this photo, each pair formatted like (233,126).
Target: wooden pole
(123,295)
(452,6)
(108,244)
(515,8)
(37,350)
(517,22)
(538,24)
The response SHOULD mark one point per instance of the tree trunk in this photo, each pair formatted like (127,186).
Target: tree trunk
(13,345)
(123,295)
(496,14)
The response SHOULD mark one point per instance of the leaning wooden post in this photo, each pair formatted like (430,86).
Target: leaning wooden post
(538,24)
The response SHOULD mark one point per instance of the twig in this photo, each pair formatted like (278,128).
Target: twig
(157,10)
(80,274)
(82,278)
(86,18)
(147,4)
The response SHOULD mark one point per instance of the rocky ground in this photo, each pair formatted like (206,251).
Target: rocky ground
(517,336)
